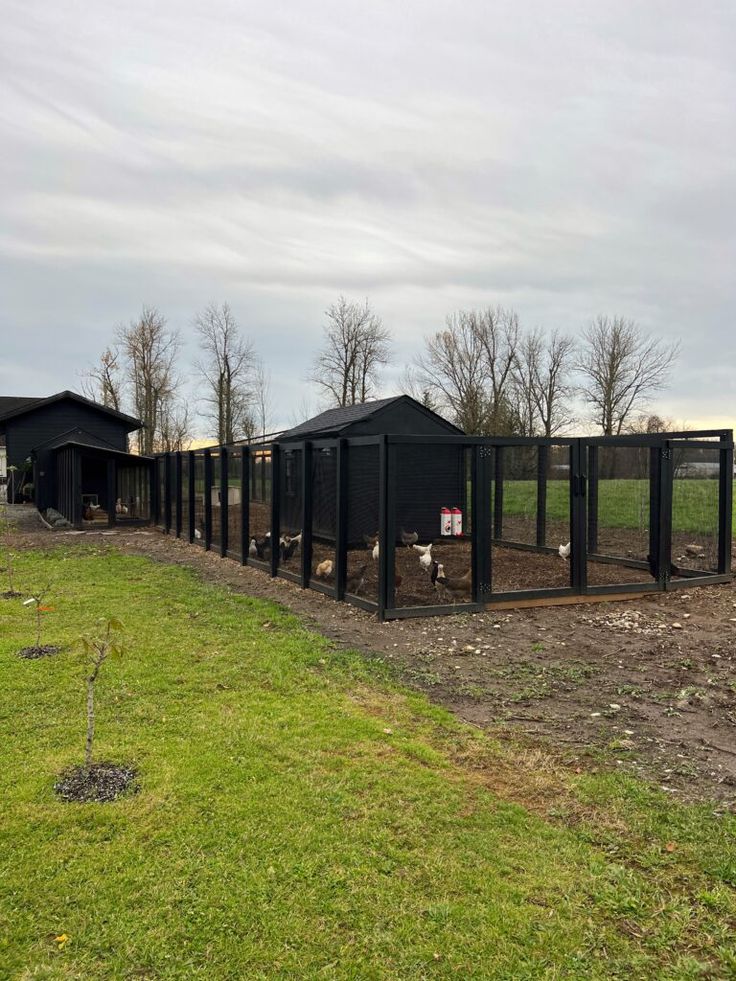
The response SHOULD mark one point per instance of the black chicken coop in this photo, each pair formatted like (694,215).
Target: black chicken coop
(394,509)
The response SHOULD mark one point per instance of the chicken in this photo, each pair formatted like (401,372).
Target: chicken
(262,547)
(120,508)
(356,580)
(425,556)
(376,551)
(197,533)
(409,538)
(456,587)
(288,547)
(370,540)
(325,569)
(564,551)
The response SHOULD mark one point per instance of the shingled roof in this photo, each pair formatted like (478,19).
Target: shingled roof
(16,406)
(334,422)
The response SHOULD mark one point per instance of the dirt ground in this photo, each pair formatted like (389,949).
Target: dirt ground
(648,685)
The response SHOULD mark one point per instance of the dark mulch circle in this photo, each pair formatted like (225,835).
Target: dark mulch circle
(10,594)
(31,653)
(99,783)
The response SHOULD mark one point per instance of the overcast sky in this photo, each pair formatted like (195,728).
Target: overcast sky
(565,158)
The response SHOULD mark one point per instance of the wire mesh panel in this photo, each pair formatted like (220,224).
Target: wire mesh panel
(234,500)
(171,463)
(161,490)
(531,493)
(199,498)
(216,499)
(259,505)
(695,509)
(432,551)
(324,513)
(362,535)
(623,515)
(133,494)
(185,502)
(291,463)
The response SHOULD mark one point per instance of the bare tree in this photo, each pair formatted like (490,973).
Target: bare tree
(356,346)
(542,376)
(103,382)
(226,369)
(262,401)
(467,370)
(621,368)
(174,426)
(150,350)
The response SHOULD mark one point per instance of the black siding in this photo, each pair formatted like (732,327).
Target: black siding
(27,432)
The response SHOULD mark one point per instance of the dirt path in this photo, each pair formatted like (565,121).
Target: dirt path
(647,685)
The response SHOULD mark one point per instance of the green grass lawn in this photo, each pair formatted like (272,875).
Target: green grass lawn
(301,816)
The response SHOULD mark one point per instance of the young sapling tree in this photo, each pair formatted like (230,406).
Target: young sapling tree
(97,650)
(38,602)
(96,781)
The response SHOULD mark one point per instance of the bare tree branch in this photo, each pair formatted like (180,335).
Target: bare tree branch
(356,346)
(622,368)
(226,370)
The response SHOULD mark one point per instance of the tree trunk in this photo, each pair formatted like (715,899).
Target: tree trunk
(90,719)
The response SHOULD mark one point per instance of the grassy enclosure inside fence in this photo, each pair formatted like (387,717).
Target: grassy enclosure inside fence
(620,502)
(301,815)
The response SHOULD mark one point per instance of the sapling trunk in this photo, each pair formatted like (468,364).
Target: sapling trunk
(91,706)
(38,623)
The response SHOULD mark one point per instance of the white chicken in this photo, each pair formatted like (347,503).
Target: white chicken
(564,551)
(376,551)
(425,556)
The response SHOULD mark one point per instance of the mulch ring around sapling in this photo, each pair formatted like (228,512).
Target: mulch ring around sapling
(45,650)
(96,783)
(10,594)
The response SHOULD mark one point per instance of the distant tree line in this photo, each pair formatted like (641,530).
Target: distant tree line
(484,371)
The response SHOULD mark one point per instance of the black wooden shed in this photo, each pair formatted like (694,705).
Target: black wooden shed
(71,454)
(422,491)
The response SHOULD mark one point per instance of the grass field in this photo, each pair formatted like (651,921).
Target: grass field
(301,816)
(622,503)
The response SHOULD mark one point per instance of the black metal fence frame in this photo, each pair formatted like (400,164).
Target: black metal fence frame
(487,523)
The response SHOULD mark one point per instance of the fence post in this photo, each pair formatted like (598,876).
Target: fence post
(498,495)
(244,504)
(382,527)
(224,503)
(167,493)
(578,517)
(177,484)
(481,528)
(661,542)
(207,499)
(542,466)
(192,489)
(275,508)
(725,508)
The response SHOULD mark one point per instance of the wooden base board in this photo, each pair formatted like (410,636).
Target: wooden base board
(527,604)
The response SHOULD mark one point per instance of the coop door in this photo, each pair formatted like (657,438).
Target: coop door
(531,503)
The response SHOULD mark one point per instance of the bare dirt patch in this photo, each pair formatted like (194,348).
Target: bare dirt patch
(33,653)
(647,686)
(97,783)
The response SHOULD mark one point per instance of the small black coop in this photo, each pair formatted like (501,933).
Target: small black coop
(419,499)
